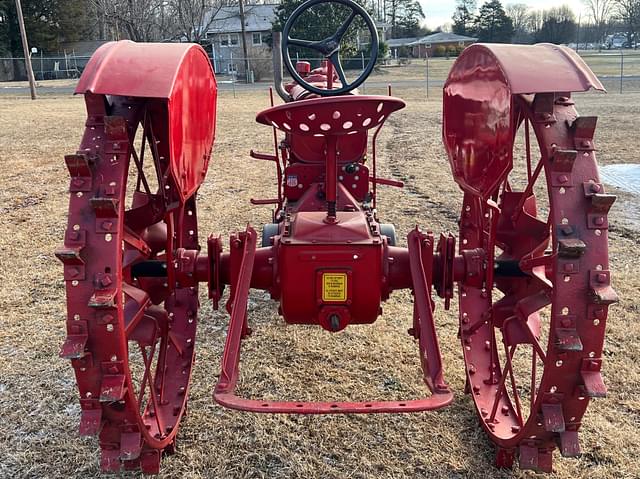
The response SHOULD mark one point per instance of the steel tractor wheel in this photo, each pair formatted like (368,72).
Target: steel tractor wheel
(532,321)
(131,317)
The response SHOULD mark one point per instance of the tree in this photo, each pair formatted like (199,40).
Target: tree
(138,20)
(519,15)
(558,26)
(404,17)
(48,23)
(600,11)
(464,17)
(628,11)
(492,23)
(194,17)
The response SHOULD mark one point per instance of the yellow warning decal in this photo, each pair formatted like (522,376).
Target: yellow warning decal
(334,286)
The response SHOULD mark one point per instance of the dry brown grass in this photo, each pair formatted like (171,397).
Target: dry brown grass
(38,399)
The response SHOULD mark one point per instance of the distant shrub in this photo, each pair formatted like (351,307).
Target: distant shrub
(452,51)
(439,51)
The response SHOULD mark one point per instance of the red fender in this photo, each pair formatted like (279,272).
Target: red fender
(180,74)
(478,124)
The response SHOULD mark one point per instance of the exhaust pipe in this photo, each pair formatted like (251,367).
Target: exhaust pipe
(277,67)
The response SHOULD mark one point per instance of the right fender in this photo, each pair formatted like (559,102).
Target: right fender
(478,124)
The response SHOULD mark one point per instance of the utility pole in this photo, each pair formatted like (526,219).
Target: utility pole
(244,40)
(25,47)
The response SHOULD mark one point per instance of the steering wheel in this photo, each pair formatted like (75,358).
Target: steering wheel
(330,47)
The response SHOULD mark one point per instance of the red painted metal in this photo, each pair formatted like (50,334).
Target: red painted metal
(338,116)
(478,123)
(181,74)
(133,261)
(554,301)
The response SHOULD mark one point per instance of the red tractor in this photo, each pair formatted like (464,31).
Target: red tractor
(531,266)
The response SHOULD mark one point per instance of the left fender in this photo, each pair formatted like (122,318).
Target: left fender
(179,74)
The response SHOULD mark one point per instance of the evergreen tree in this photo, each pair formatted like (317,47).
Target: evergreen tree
(558,26)
(464,17)
(47,22)
(492,23)
(404,17)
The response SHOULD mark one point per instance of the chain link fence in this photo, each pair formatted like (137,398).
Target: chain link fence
(618,70)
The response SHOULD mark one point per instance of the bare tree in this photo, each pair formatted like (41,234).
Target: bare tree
(138,20)
(628,11)
(600,11)
(519,14)
(194,17)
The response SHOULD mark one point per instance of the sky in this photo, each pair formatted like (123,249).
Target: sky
(438,12)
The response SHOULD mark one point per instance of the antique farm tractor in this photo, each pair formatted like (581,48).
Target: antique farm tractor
(531,266)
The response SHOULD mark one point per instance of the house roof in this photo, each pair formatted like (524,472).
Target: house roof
(258,18)
(400,42)
(443,37)
(84,48)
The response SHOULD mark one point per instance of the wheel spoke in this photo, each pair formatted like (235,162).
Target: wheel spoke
(533,380)
(138,162)
(527,191)
(527,142)
(501,385)
(514,390)
(162,360)
(142,147)
(147,369)
(156,159)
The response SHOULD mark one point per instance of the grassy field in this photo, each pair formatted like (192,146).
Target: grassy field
(38,398)
(603,65)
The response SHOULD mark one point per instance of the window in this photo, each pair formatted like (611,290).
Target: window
(257,38)
(230,39)
(461,44)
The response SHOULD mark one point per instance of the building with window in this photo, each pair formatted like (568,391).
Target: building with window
(225,31)
(440,44)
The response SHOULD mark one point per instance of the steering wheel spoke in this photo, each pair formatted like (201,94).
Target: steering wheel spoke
(304,43)
(345,25)
(334,58)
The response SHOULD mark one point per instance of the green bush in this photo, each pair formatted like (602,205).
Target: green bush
(439,51)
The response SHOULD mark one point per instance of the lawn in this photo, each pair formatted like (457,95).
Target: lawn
(38,397)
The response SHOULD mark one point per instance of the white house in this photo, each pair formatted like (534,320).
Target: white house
(225,32)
